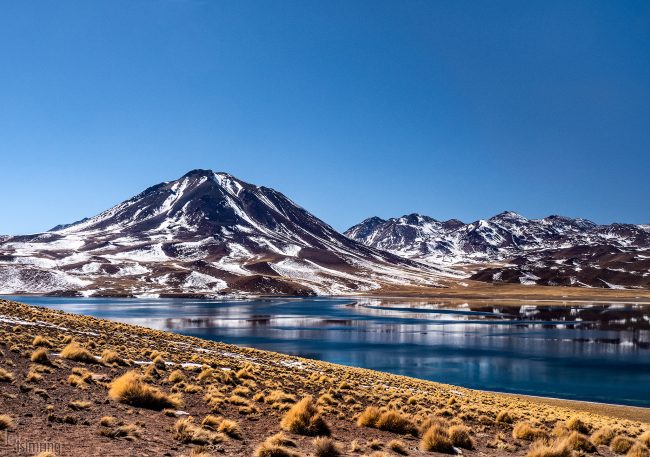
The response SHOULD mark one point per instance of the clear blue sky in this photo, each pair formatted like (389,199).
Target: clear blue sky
(351,108)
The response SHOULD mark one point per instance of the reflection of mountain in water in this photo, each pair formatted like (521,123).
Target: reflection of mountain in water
(575,350)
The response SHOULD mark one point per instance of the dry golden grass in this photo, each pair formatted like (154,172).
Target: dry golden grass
(74,351)
(129,432)
(369,417)
(505,417)
(638,450)
(436,439)
(108,421)
(526,431)
(460,437)
(324,446)
(603,435)
(271,450)
(40,356)
(5,422)
(176,376)
(397,446)
(41,341)
(280,439)
(159,363)
(33,376)
(79,405)
(131,389)
(576,423)
(186,431)
(6,376)
(304,418)
(230,428)
(645,438)
(579,442)
(556,448)
(396,422)
(621,444)
(108,357)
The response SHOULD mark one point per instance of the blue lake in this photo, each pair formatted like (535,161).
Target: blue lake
(585,351)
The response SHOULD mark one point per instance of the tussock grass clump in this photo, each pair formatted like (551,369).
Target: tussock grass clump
(542,448)
(396,422)
(108,421)
(645,438)
(355,446)
(397,446)
(79,405)
(579,442)
(505,417)
(80,378)
(621,444)
(6,376)
(40,356)
(603,435)
(277,396)
(246,373)
(33,376)
(160,363)
(326,447)
(41,341)
(74,351)
(526,431)
(199,452)
(129,432)
(576,423)
(187,432)
(5,422)
(369,417)
(280,439)
(638,450)
(211,422)
(205,375)
(267,449)
(131,389)
(436,439)
(460,437)
(176,376)
(230,428)
(110,357)
(304,418)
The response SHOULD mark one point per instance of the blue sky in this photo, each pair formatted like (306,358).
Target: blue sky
(351,108)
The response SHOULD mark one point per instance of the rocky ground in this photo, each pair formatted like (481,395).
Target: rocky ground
(79,386)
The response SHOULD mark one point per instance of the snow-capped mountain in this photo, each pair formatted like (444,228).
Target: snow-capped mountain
(552,250)
(205,233)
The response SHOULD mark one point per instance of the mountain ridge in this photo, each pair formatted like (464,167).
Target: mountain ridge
(555,250)
(204,233)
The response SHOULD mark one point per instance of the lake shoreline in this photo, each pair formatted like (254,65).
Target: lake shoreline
(481,345)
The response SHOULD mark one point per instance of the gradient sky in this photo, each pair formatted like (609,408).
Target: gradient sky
(351,108)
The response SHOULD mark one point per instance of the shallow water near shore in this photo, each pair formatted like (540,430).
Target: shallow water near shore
(590,351)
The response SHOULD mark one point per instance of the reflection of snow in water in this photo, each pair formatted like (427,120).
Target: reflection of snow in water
(572,350)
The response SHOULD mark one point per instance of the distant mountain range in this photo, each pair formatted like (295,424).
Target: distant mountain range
(210,233)
(206,233)
(510,248)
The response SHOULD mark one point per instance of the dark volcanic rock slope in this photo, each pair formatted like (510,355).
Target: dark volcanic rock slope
(554,250)
(205,233)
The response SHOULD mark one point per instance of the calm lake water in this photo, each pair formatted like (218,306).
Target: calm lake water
(586,351)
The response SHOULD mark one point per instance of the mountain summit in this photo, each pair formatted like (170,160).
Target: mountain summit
(205,233)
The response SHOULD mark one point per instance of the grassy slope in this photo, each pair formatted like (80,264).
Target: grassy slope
(66,399)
